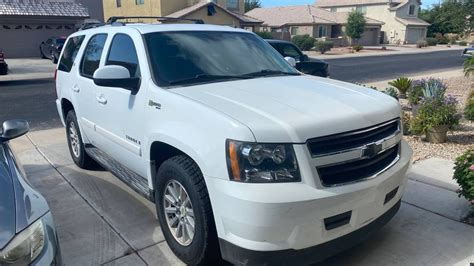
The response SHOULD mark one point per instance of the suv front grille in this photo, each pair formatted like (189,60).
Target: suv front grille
(352,139)
(356,155)
(349,172)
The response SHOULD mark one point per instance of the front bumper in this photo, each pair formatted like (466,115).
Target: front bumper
(294,216)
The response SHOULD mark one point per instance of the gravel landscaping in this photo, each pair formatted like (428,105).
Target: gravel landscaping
(459,140)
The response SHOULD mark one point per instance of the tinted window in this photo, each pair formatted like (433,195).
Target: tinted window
(123,53)
(70,53)
(91,60)
(60,41)
(185,55)
(291,51)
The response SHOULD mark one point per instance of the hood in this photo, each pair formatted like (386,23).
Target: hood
(295,108)
(315,60)
(7,206)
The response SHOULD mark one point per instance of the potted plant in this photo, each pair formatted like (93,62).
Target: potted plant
(402,84)
(425,89)
(435,117)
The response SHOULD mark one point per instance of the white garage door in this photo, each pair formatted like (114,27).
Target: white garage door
(415,34)
(369,37)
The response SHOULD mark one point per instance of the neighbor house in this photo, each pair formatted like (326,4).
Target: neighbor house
(316,22)
(400,17)
(220,12)
(24,24)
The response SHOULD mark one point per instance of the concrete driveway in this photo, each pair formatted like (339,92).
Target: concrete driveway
(101,221)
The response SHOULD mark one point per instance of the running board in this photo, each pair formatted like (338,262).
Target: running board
(130,178)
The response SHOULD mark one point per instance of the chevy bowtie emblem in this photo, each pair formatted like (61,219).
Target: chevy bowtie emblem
(371,150)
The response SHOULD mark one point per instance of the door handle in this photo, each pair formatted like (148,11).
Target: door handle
(76,89)
(101,99)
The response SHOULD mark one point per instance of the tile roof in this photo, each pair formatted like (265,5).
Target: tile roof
(54,8)
(335,3)
(186,11)
(303,14)
(412,21)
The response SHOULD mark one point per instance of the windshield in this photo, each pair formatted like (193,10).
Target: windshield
(191,57)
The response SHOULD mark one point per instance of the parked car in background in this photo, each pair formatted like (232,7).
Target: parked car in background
(310,66)
(3,64)
(468,52)
(27,232)
(51,48)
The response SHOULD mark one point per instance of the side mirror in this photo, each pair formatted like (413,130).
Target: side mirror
(116,76)
(12,129)
(291,60)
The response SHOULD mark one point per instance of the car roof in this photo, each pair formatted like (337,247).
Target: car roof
(149,28)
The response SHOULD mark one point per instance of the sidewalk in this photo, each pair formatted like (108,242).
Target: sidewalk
(391,50)
(381,85)
(102,221)
(28,68)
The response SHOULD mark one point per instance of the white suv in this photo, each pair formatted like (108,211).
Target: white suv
(245,158)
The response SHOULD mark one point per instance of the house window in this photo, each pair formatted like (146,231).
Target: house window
(321,31)
(139,2)
(333,9)
(412,10)
(294,30)
(362,9)
(118,3)
(233,4)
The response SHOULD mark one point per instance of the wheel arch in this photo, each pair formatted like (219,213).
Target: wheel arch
(66,106)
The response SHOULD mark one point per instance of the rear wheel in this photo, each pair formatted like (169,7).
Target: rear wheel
(74,141)
(185,213)
(41,53)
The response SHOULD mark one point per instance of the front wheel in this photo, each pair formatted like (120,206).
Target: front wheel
(185,213)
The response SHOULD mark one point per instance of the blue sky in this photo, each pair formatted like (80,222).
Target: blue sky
(269,3)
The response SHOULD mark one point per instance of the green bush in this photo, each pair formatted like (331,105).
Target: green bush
(391,92)
(264,34)
(406,118)
(304,42)
(421,44)
(323,46)
(402,84)
(469,109)
(415,93)
(462,43)
(357,47)
(435,112)
(464,175)
(431,41)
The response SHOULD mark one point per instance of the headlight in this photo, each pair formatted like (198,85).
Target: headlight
(25,247)
(261,163)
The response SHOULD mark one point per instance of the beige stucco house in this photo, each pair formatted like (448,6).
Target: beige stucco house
(400,17)
(317,22)
(220,12)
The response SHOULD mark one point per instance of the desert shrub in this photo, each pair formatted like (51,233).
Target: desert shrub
(406,118)
(415,93)
(462,43)
(304,42)
(357,47)
(443,40)
(433,88)
(402,84)
(421,44)
(464,174)
(264,34)
(391,92)
(435,112)
(431,41)
(323,46)
(469,109)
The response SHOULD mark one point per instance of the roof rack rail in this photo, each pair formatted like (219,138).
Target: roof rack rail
(113,20)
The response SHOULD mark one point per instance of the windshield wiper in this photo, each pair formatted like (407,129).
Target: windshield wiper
(270,72)
(205,77)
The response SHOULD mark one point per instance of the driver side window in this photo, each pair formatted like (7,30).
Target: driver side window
(289,50)
(123,53)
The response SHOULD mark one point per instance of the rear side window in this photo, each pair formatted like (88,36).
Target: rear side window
(123,53)
(91,59)
(70,53)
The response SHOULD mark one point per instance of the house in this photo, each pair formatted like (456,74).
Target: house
(317,22)
(24,24)
(219,12)
(400,17)
(95,8)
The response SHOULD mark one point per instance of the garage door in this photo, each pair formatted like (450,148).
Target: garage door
(24,40)
(369,37)
(415,34)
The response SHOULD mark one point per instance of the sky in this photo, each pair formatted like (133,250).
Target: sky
(269,3)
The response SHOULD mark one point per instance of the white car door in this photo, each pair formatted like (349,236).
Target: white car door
(120,120)
(85,89)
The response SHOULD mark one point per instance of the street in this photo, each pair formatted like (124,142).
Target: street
(34,100)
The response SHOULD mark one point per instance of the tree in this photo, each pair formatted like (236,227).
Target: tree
(450,16)
(355,26)
(251,4)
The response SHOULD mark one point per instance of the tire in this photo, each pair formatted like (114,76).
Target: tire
(76,146)
(42,55)
(203,248)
